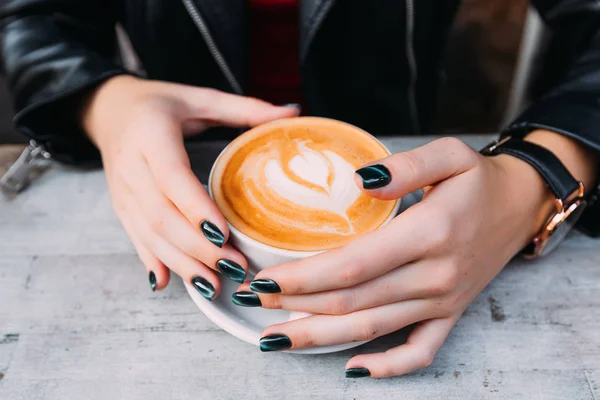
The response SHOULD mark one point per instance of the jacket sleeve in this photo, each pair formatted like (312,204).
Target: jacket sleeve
(571,103)
(53,52)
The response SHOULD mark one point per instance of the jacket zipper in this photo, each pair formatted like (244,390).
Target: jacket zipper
(410,54)
(212,46)
(18,175)
(412,66)
(321,14)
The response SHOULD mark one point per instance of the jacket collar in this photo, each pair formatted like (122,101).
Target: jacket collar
(227,24)
(312,15)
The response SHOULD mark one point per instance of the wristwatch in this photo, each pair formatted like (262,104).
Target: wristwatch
(569,193)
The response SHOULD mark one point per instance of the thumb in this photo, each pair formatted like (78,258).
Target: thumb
(403,173)
(215,107)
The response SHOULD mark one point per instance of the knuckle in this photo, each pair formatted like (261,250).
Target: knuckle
(206,95)
(305,339)
(452,305)
(426,358)
(446,281)
(367,330)
(388,370)
(350,276)
(204,102)
(272,301)
(341,303)
(442,234)
(413,164)
(295,287)
(451,279)
(443,305)
(353,273)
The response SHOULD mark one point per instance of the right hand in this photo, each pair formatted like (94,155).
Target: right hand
(139,127)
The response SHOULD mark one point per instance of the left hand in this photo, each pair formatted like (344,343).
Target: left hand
(424,268)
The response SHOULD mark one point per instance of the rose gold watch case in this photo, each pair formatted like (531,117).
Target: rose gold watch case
(563,210)
(540,242)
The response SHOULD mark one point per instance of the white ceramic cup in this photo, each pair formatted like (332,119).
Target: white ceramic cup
(261,256)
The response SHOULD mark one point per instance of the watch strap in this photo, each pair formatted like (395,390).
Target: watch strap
(589,222)
(557,177)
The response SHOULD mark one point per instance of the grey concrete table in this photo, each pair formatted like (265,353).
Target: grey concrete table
(78,321)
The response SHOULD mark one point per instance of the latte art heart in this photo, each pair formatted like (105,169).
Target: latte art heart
(331,174)
(293,187)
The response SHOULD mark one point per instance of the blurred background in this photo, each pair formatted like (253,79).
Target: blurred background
(479,92)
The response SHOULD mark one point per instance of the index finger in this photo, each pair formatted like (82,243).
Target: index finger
(169,164)
(233,110)
(398,243)
(402,173)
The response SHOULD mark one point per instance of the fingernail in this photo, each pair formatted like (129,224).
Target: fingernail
(357,373)
(375,176)
(264,286)
(232,270)
(275,343)
(246,299)
(293,105)
(152,280)
(203,287)
(212,233)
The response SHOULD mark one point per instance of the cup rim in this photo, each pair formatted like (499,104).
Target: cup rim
(277,250)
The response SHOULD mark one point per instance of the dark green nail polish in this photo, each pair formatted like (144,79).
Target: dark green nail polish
(203,287)
(357,373)
(264,286)
(246,299)
(275,343)
(212,233)
(152,280)
(375,176)
(293,105)
(232,270)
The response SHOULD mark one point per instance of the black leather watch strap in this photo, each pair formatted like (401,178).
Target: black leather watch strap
(557,176)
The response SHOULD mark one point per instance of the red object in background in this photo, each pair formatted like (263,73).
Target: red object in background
(274,59)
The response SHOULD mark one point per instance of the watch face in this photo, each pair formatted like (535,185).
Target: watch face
(564,227)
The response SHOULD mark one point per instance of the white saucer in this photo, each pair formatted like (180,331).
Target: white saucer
(247,323)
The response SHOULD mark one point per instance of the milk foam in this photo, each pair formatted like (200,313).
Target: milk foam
(290,184)
(326,170)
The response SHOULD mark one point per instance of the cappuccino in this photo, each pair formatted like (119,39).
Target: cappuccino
(290,184)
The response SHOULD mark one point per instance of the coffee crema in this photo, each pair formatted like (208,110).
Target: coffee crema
(290,184)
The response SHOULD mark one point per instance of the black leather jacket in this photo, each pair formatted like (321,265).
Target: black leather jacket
(375,64)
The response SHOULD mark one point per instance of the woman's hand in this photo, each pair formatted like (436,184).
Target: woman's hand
(423,268)
(139,127)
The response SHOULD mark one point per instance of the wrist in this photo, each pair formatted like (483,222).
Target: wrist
(103,103)
(531,202)
(525,196)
